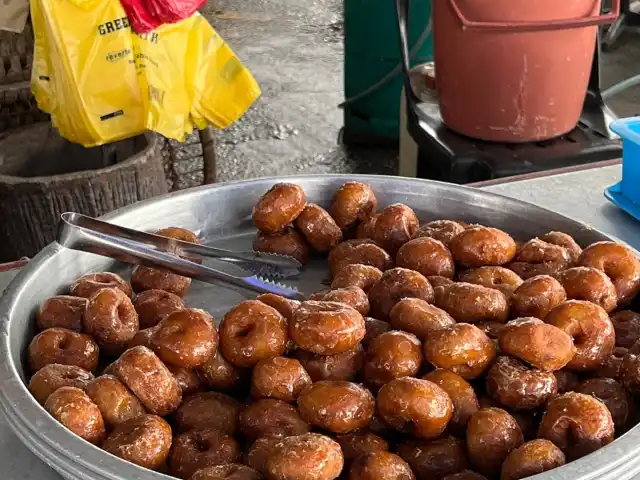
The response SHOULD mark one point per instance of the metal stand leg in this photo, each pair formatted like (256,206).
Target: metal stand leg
(627,18)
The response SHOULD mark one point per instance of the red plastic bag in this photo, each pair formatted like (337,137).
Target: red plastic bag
(140,15)
(172,11)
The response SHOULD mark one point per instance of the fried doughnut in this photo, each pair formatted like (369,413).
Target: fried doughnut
(442,230)
(395,226)
(629,373)
(149,379)
(426,255)
(154,305)
(615,397)
(288,242)
(518,387)
(66,347)
(592,332)
(336,406)
(537,257)
(543,346)
(499,278)
(352,296)
(147,278)
(53,376)
(393,286)
(209,410)
(219,374)
(317,226)
(380,466)
(230,471)
(341,366)
(305,457)
(115,401)
(252,331)
(356,275)
(74,409)
(326,328)
(280,378)
(270,417)
(90,283)
(491,436)
(577,423)
(188,379)
(285,306)
(567,380)
(279,207)
(564,240)
(531,458)
(374,328)
(358,251)
(620,264)
(144,441)
(462,348)
(353,202)
(359,443)
(583,283)
(465,401)
(435,459)
(392,355)
(62,311)
(416,316)
(470,303)
(537,296)
(627,326)
(259,452)
(367,228)
(111,319)
(418,407)
(186,338)
(483,246)
(201,448)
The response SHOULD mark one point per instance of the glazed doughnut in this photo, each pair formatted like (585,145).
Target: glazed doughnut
(393,286)
(309,456)
(470,303)
(270,417)
(146,278)
(465,401)
(392,355)
(426,255)
(62,311)
(252,331)
(374,328)
(219,374)
(111,319)
(115,401)
(188,379)
(352,296)
(592,331)
(627,326)
(201,448)
(583,283)
(499,278)
(185,338)
(537,257)
(367,228)
(75,410)
(230,471)
(341,366)
(483,246)
(326,328)
(284,306)
(66,347)
(89,284)
(154,305)
(537,296)
(395,226)
(380,466)
(531,458)
(356,275)
(435,459)
(288,242)
(416,316)
(279,207)
(280,378)
(442,230)
(209,410)
(619,263)
(359,251)
(53,376)
(615,397)
(563,240)
(317,226)
(353,202)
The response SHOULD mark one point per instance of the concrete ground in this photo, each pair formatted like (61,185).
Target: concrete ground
(294,49)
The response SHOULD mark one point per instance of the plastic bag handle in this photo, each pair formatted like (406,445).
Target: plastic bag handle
(537,26)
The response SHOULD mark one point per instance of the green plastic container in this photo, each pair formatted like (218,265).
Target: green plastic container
(372,56)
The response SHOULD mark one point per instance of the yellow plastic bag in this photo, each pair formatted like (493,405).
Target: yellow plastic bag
(107,83)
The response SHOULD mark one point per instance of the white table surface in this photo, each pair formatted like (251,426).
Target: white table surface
(578,195)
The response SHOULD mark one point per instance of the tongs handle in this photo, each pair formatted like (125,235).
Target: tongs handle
(175,246)
(73,236)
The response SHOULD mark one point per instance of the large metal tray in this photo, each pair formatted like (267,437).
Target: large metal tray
(220,214)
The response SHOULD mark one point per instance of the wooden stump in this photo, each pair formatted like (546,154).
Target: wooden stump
(43,176)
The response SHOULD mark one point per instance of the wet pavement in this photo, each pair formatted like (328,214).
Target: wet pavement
(294,48)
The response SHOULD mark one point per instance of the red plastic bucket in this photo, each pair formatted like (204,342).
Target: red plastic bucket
(514,70)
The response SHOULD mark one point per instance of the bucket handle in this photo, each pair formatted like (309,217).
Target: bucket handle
(537,26)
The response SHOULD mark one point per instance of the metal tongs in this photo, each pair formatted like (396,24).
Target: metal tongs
(79,232)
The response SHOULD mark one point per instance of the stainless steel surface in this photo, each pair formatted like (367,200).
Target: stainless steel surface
(81,233)
(55,268)
(259,263)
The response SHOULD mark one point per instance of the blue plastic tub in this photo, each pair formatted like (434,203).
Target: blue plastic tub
(626,193)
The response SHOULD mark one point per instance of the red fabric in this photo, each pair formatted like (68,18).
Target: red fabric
(171,11)
(140,16)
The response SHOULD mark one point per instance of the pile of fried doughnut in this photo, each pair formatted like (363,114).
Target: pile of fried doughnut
(442,351)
